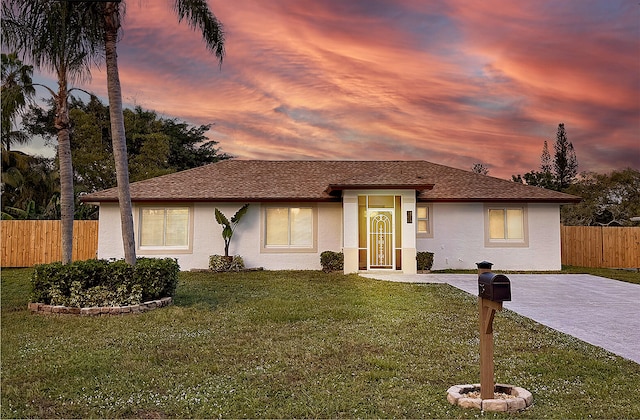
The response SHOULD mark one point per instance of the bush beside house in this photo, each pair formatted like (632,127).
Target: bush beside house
(424,260)
(332,261)
(104,283)
(220,263)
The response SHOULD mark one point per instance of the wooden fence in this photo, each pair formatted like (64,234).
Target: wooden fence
(595,246)
(29,242)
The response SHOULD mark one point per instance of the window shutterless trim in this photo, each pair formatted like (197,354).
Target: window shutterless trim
(429,219)
(506,243)
(160,249)
(288,249)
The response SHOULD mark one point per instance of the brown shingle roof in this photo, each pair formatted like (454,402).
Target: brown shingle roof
(259,180)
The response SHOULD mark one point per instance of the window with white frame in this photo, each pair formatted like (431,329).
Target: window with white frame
(506,225)
(424,223)
(289,228)
(164,228)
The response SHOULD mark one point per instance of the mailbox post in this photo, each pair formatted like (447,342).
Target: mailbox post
(493,289)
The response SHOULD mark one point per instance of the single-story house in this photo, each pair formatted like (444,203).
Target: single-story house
(378,213)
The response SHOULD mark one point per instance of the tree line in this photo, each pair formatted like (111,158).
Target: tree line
(611,199)
(156,146)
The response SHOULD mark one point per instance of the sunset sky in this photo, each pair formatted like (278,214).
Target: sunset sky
(453,82)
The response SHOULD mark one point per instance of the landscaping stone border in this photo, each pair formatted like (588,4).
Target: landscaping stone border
(41,308)
(456,395)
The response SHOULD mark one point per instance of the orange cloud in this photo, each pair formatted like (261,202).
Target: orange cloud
(453,82)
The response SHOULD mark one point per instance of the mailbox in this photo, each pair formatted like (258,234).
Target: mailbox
(496,287)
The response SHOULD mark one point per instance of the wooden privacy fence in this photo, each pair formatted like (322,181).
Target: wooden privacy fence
(601,246)
(29,242)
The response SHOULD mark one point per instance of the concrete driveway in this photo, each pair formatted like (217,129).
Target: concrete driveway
(600,311)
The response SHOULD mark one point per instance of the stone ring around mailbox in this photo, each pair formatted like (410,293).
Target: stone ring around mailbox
(493,289)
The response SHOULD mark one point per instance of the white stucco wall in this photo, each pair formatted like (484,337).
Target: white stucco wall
(459,239)
(207,239)
(109,232)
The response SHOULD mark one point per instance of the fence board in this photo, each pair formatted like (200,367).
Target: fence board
(26,243)
(601,246)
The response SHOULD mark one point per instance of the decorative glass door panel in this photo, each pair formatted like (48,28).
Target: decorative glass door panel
(381,238)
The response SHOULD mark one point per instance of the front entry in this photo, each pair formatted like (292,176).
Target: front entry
(380,238)
(379,232)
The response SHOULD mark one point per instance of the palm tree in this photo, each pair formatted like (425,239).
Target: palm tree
(17,90)
(199,16)
(55,36)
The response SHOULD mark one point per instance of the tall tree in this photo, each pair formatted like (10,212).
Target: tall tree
(199,16)
(545,159)
(556,174)
(17,90)
(565,163)
(55,36)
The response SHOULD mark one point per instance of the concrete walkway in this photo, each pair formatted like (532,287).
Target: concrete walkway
(600,311)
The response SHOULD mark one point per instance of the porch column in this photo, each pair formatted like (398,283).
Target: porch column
(409,265)
(350,227)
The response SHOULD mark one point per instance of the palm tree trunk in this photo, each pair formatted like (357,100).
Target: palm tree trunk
(112,21)
(66,169)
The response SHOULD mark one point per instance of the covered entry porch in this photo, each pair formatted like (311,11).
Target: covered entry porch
(380,230)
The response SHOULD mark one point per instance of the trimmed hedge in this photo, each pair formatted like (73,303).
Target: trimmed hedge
(332,261)
(424,260)
(104,283)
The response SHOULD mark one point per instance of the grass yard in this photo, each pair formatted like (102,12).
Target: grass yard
(630,276)
(627,275)
(294,344)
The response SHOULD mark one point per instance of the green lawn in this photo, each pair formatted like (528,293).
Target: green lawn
(294,344)
(627,275)
(630,276)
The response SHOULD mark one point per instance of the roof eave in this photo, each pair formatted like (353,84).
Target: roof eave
(499,200)
(341,187)
(213,200)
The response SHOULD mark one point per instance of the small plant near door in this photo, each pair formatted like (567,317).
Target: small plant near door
(227,263)
(221,263)
(424,261)
(332,261)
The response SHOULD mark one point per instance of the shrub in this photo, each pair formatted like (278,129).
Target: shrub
(157,277)
(332,261)
(424,260)
(104,283)
(222,263)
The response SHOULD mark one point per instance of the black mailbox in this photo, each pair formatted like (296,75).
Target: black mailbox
(496,287)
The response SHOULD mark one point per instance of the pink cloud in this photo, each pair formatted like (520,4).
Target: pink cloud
(453,82)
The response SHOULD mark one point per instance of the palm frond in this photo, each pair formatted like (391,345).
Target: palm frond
(199,16)
(54,35)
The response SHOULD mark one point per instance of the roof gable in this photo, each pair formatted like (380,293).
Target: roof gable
(259,180)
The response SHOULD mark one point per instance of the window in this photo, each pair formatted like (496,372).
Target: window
(424,223)
(289,228)
(162,228)
(506,226)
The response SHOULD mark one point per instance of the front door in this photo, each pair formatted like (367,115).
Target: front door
(380,239)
